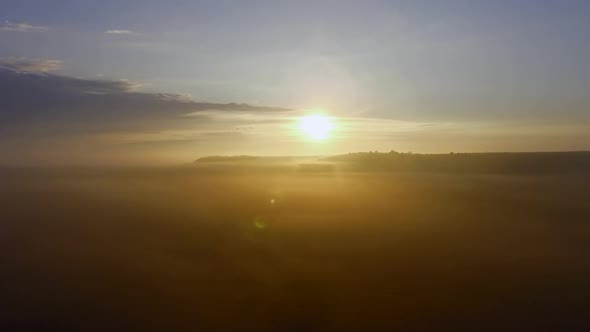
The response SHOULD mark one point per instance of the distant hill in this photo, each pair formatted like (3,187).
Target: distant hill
(306,164)
(243,158)
(518,162)
(498,162)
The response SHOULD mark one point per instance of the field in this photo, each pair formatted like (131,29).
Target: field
(292,249)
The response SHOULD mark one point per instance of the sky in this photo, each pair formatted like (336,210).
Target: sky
(154,82)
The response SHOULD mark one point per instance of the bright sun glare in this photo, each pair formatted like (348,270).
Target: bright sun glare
(316,127)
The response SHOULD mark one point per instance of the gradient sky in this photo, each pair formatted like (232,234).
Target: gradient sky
(153,82)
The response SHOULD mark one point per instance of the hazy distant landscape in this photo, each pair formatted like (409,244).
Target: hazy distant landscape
(515,162)
(222,246)
(294,166)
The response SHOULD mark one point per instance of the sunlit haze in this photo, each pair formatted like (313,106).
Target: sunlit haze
(316,127)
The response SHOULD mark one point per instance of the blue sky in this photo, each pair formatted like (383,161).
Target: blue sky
(508,67)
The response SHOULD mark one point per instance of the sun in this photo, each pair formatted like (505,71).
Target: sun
(316,127)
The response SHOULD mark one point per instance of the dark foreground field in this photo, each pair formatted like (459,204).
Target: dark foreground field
(271,250)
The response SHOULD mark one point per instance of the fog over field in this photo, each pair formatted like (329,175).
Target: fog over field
(291,248)
(302,165)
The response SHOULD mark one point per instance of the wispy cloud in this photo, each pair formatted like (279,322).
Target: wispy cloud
(42,115)
(119,32)
(96,103)
(30,65)
(22,27)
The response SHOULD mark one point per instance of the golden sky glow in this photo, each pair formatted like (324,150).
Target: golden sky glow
(133,86)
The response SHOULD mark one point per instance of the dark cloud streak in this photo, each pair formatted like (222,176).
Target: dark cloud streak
(29,65)
(37,97)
